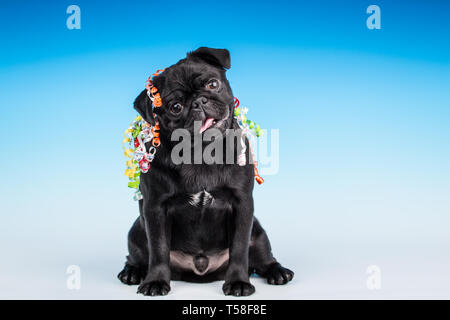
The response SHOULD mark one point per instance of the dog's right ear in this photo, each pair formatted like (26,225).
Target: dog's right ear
(217,57)
(143,105)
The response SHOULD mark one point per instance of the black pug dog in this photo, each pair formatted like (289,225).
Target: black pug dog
(196,221)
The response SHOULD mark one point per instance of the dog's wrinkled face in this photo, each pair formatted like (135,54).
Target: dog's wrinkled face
(193,91)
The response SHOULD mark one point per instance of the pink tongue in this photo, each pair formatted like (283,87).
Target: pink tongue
(208,123)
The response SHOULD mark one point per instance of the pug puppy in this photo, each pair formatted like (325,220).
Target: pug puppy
(196,221)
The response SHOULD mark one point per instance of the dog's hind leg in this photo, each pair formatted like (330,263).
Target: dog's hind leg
(261,259)
(136,266)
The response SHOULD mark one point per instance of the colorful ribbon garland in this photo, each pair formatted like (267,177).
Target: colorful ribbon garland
(137,135)
(247,125)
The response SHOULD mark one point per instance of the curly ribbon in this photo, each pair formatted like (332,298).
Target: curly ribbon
(241,116)
(247,125)
(136,136)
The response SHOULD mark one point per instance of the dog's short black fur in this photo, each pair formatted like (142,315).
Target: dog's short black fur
(196,220)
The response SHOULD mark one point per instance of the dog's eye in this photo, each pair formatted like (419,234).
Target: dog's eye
(176,108)
(212,84)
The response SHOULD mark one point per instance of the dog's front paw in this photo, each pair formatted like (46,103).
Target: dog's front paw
(277,274)
(154,288)
(130,275)
(238,288)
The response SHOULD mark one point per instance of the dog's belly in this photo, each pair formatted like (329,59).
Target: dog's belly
(200,264)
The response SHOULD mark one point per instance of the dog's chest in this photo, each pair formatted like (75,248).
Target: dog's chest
(196,178)
(201,199)
(199,183)
(201,190)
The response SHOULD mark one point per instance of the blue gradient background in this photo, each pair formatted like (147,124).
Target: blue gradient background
(363,115)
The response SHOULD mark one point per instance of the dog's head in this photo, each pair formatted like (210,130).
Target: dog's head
(194,91)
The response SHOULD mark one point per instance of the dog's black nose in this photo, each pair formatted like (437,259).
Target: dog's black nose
(199,102)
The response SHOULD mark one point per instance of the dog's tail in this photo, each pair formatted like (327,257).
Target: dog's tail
(201,263)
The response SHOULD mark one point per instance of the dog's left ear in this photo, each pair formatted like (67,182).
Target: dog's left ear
(143,105)
(217,57)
